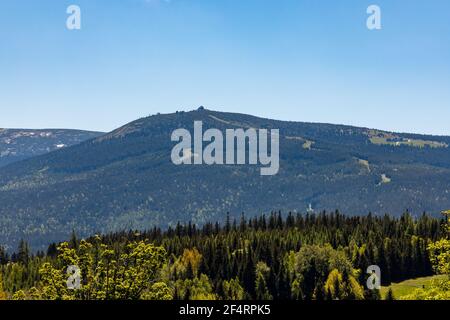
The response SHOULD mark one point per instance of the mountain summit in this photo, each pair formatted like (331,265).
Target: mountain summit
(125,179)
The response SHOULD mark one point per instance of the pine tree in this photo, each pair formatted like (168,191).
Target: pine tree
(2,293)
(389,295)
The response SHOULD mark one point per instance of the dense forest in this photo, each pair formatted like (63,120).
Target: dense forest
(302,256)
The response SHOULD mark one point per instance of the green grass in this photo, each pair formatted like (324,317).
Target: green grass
(408,286)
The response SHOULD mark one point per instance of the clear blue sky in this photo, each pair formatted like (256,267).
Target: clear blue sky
(305,60)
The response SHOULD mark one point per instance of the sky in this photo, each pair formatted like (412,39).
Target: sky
(299,60)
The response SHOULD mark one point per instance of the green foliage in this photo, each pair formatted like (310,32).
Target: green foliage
(232,290)
(439,289)
(130,273)
(299,257)
(158,291)
(322,272)
(19,295)
(440,256)
(334,286)
(199,288)
(3,295)
(262,273)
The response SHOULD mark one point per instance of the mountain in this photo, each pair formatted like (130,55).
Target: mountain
(125,179)
(19,144)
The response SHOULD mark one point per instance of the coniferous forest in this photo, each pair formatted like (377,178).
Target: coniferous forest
(294,256)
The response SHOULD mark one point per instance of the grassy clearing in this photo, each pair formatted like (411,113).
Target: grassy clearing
(408,286)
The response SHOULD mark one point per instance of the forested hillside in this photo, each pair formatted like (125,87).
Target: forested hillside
(302,257)
(126,179)
(20,144)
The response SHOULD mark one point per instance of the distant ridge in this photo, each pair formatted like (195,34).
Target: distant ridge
(20,144)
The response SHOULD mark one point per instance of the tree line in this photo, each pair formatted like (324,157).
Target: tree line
(295,256)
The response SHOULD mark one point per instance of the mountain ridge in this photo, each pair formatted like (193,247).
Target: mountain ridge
(19,144)
(125,179)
